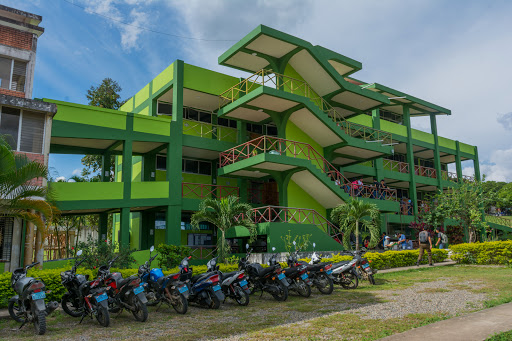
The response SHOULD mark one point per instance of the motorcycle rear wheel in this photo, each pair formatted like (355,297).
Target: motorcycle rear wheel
(141,311)
(371,279)
(350,281)
(40,322)
(282,295)
(69,306)
(215,302)
(241,297)
(102,316)
(14,311)
(324,284)
(179,302)
(303,289)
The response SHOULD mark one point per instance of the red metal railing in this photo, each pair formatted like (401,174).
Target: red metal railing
(406,207)
(202,251)
(451,176)
(279,214)
(396,166)
(425,171)
(200,191)
(278,146)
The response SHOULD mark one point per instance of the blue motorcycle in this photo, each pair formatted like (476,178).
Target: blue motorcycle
(163,289)
(205,289)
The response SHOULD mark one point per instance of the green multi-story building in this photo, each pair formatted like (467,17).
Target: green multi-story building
(290,139)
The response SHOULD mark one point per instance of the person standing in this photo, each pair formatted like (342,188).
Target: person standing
(442,239)
(402,242)
(425,244)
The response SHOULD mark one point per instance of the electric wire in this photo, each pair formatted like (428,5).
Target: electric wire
(146,28)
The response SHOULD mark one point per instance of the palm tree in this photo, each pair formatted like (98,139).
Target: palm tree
(225,214)
(19,198)
(349,217)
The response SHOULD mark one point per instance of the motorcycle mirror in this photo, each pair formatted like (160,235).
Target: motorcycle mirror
(247,246)
(79,253)
(314,245)
(151,249)
(273,248)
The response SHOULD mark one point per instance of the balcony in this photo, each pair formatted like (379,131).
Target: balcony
(210,131)
(407,208)
(191,190)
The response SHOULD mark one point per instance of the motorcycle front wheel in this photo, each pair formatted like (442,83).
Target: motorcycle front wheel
(215,302)
(371,279)
(282,292)
(141,311)
(102,316)
(15,312)
(324,284)
(241,297)
(179,302)
(350,281)
(70,306)
(40,322)
(303,289)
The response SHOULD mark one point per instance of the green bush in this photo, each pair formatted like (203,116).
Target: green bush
(499,252)
(52,279)
(98,253)
(170,256)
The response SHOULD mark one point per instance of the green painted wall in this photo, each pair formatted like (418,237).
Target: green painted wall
(150,189)
(150,124)
(294,133)
(197,78)
(447,143)
(69,191)
(85,114)
(276,232)
(297,88)
(422,136)
(365,120)
(393,128)
(297,197)
(466,148)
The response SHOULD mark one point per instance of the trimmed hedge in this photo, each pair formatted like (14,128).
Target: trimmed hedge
(392,259)
(53,281)
(499,253)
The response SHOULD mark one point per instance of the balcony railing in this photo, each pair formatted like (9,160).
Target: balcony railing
(396,166)
(209,130)
(202,251)
(425,171)
(498,220)
(278,146)
(451,176)
(200,191)
(407,208)
(274,80)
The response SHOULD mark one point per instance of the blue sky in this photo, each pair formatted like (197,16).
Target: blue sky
(453,53)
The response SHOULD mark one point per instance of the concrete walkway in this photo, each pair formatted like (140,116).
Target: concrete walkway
(404,268)
(471,327)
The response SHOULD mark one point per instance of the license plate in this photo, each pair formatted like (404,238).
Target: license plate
(38,295)
(243,283)
(329,272)
(183,289)
(365,266)
(304,276)
(138,290)
(216,288)
(280,276)
(101,298)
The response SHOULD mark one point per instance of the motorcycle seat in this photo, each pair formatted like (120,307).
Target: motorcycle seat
(199,277)
(228,274)
(341,263)
(315,267)
(127,280)
(261,270)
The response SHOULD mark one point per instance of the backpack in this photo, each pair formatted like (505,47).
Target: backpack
(444,238)
(423,236)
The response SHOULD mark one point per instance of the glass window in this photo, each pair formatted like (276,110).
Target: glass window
(191,166)
(32,132)
(225,122)
(272,130)
(205,117)
(19,71)
(191,114)
(161,162)
(255,128)
(5,72)
(9,125)
(205,168)
(164,109)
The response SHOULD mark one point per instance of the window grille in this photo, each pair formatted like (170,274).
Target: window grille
(6,226)
(19,71)
(32,132)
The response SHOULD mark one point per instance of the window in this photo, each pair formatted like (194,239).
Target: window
(225,122)
(12,74)
(271,130)
(197,115)
(25,129)
(164,109)
(196,167)
(255,128)
(6,227)
(161,162)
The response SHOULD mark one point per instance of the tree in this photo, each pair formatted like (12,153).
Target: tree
(490,190)
(462,203)
(19,197)
(505,195)
(225,214)
(106,95)
(350,217)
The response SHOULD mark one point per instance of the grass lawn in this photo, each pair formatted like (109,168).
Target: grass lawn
(505,336)
(315,318)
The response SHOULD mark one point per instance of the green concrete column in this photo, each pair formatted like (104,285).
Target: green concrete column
(149,167)
(378,163)
(103,226)
(148,224)
(242,188)
(105,167)
(476,165)
(410,160)
(242,131)
(437,158)
(458,163)
(125,227)
(174,159)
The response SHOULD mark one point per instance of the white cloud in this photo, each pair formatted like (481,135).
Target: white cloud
(76,172)
(505,120)
(60,178)
(500,167)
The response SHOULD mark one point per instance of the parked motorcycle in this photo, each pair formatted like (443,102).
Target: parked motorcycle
(233,284)
(124,293)
(204,289)
(296,274)
(29,305)
(271,279)
(160,288)
(364,268)
(345,273)
(83,297)
(320,273)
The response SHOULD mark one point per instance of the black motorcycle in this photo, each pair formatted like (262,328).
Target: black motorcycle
(124,293)
(296,274)
(233,284)
(28,305)
(271,279)
(320,273)
(83,297)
